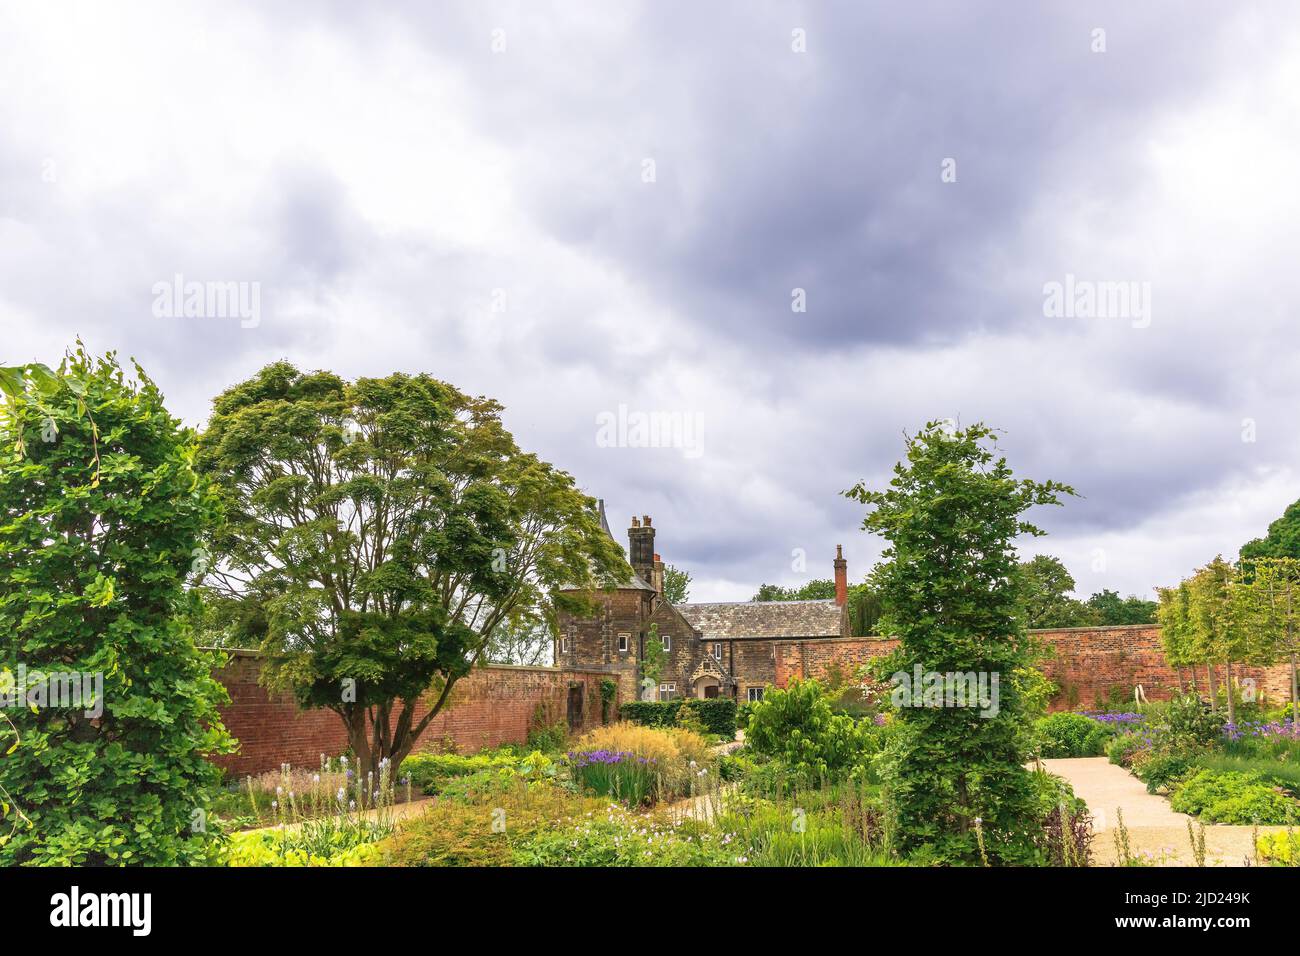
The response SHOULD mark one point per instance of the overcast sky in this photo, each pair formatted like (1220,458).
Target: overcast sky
(579,207)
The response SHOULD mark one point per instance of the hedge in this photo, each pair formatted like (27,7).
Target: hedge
(717,714)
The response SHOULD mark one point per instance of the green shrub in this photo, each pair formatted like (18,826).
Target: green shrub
(618,838)
(1190,718)
(1284,773)
(797,727)
(548,738)
(1121,748)
(103,521)
(1239,798)
(1070,735)
(1161,771)
(431,772)
(735,766)
(651,713)
(717,715)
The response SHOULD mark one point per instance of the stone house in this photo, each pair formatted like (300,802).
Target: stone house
(726,649)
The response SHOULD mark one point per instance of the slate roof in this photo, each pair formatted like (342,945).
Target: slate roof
(763,619)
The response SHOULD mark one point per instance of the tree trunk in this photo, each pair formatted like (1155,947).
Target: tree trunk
(1214,691)
(1229,691)
(1182,681)
(1196,687)
(1295,697)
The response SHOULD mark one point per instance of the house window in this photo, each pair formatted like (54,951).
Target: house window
(667,641)
(564,644)
(623,640)
(667,691)
(755,694)
(717,652)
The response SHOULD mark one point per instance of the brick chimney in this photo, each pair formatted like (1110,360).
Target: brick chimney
(641,548)
(841,577)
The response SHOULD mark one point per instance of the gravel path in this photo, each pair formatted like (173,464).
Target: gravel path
(1155,831)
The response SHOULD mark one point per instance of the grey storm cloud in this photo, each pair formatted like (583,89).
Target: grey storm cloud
(391,181)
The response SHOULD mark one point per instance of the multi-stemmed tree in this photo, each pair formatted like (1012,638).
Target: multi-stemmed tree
(380,534)
(957,775)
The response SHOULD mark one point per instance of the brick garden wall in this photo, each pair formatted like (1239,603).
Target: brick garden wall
(1087,662)
(493,705)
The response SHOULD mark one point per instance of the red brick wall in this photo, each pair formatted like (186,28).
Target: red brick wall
(493,705)
(1089,661)
(1086,663)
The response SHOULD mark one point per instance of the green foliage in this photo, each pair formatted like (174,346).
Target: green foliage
(548,737)
(621,839)
(951,514)
(1238,798)
(717,715)
(1187,718)
(102,519)
(819,589)
(1280,849)
(651,713)
(1109,609)
(677,585)
(1070,735)
(842,825)
(864,609)
(1121,748)
(796,726)
(1045,586)
(430,772)
(1282,540)
(654,662)
(383,530)
(1162,770)
(287,848)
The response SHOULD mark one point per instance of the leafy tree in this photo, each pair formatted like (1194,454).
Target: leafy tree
(819,589)
(951,514)
(527,642)
(1282,540)
(101,517)
(864,608)
(1274,592)
(1174,616)
(1109,609)
(1045,587)
(385,531)
(1217,624)
(677,585)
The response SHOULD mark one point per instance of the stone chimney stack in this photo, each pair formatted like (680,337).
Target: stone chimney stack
(841,577)
(657,581)
(641,548)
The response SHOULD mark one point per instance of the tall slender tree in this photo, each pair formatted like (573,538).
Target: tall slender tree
(956,774)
